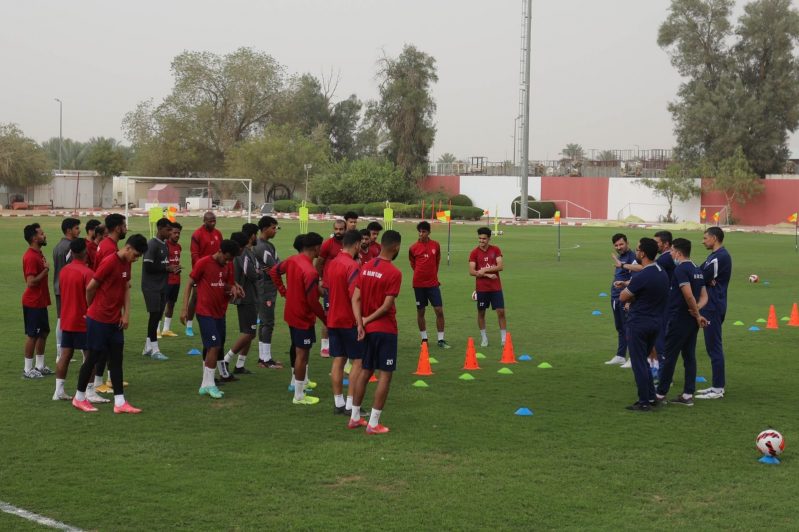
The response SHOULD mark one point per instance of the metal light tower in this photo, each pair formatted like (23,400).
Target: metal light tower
(60,132)
(524,104)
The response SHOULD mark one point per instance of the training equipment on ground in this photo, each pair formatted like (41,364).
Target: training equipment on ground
(480,356)
(770,443)
(524,412)
(433,360)
(470,362)
(373,378)
(739,323)
(753,278)
(701,379)
(596,313)
(505,371)
(603,294)
(466,377)
(772,318)
(194,352)
(423,367)
(794,320)
(545,365)
(474,296)
(754,328)
(420,384)
(525,357)
(508,355)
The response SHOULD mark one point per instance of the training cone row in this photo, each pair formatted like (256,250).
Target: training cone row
(471,355)
(508,356)
(794,321)
(423,367)
(771,323)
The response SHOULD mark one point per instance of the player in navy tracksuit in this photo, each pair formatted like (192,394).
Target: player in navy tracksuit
(623,259)
(686,297)
(717,270)
(647,292)
(665,261)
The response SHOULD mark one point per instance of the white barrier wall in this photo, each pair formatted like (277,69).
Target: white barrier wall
(494,193)
(627,197)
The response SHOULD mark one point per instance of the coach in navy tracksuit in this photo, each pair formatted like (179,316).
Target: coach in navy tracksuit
(624,258)
(648,291)
(686,297)
(666,262)
(717,270)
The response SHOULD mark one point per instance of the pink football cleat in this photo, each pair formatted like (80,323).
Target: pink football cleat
(126,409)
(84,405)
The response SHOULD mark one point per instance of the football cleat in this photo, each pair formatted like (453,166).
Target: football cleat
(357,424)
(378,429)
(616,361)
(84,406)
(189,331)
(32,374)
(126,408)
(62,396)
(443,344)
(213,391)
(45,371)
(168,334)
(159,356)
(307,400)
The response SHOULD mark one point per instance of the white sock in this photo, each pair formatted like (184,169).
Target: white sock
(28,365)
(374,419)
(80,396)
(167,324)
(299,391)
(348,404)
(293,380)
(356,413)
(158,327)
(39,361)
(188,324)
(108,378)
(98,381)
(208,377)
(325,343)
(423,334)
(222,369)
(154,347)
(483,334)
(241,360)
(503,334)
(307,376)
(59,386)
(119,400)
(267,353)
(440,335)
(338,400)
(229,356)
(687,396)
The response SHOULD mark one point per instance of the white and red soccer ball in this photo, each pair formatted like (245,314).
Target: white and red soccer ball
(754,278)
(770,442)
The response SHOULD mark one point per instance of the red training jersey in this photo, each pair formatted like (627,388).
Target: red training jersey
(212,281)
(329,251)
(302,295)
(378,279)
(38,296)
(340,280)
(374,250)
(113,275)
(482,259)
(425,258)
(91,254)
(174,250)
(204,243)
(106,247)
(73,280)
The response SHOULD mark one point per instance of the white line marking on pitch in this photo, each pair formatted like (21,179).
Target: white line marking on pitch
(36,518)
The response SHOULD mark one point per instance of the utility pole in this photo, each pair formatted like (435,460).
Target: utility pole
(527,7)
(60,132)
(307,167)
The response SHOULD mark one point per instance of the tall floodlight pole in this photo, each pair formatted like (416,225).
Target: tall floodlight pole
(527,7)
(307,167)
(515,129)
(60,131)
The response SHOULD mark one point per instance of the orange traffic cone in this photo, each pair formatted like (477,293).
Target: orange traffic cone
(508,356)
(373,378)
(794,321)
(772,318)
(423,368)
(471,355)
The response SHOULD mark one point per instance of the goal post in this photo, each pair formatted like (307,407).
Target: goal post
(198,183)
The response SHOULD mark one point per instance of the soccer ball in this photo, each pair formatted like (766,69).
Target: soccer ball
(474,296)
(753,278)
(770,442)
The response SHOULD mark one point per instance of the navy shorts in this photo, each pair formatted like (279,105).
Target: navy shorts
(248,318)
(212,331)
(37,322)
(172,291)
(73,340)
(431,294)
(381,352)
(302,338)
(101,336)
(495,299)
(344,343)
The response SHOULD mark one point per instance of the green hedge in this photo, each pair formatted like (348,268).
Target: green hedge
(340,209)
(546,208)
(466,213)
(461,200)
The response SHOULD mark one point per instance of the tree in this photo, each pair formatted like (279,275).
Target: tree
(278,156)
(365,180)
(73,153)
(607,156)
(22,161)
(343,128)
(574,152)
(742,84)
(407,108)
(304,105)
(447,158)
(677,183)
(734,177)
(106,158)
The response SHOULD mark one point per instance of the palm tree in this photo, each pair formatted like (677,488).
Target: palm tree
(574,152)
(447,158)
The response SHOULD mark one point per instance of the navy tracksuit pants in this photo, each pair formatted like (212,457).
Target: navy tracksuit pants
(680,337)
(714,346)
(619,319)
(641,338)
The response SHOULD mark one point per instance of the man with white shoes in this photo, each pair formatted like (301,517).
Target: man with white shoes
(155,273)
(622,259)
(485,263)
(35,301)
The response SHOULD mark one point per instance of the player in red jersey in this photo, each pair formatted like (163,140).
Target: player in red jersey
(330,250)
(107,317)
(302,307)
(74,278)
(374,232)
(173,282)
(35,301)
(340,278)
(205,241)
(376,315)
(351,219)
(425,257)
(91,242)
(214,284)
(485,263)
(363,250)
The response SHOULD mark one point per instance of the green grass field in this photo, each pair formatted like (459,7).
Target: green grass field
(457,456)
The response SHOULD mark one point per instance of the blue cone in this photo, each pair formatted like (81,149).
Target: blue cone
(193,352)
(596,313)
(754,328)
(769,460)
(524,412)
(525,358)
(701,379)
(345,382)
(603,294)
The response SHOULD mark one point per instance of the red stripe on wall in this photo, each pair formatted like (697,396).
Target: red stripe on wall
(779,199)
(448,184)
(588,192)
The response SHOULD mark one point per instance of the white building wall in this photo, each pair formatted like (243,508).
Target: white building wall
(495,193)
(627,197)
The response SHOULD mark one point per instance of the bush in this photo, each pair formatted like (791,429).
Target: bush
(546,208)
(363,180)
(459,212)
(461,200)
(340,209)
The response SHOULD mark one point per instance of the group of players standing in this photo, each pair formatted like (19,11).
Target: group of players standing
(351,271)
(660,299)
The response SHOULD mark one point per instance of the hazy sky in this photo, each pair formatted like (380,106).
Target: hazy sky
(599,78)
